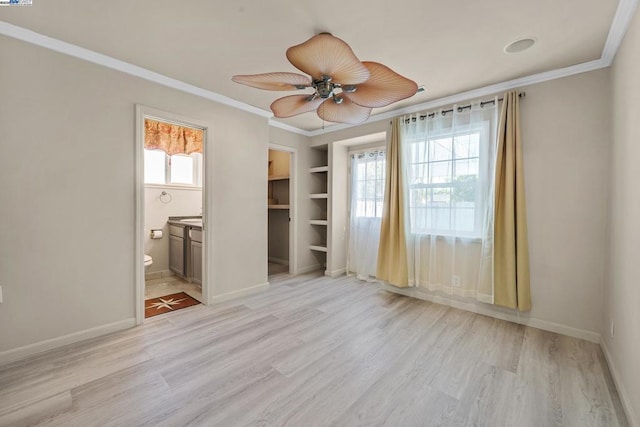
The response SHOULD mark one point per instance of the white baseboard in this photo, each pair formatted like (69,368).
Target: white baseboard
(20,353)
(622,391)
(487,311)
(158,274)
(309,269)
(278,260)
(237,294)
(335,273)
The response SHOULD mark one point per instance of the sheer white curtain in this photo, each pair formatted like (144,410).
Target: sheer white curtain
(449,159)
(367,196)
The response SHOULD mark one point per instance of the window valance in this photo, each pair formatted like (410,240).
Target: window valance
(172,139)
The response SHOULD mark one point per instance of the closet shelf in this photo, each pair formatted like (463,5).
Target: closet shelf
(319,169)
(278,178)
(318,222)
(319,248)
(318,196)
(278,206)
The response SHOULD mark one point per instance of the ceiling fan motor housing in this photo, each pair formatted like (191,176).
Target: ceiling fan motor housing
(324,87)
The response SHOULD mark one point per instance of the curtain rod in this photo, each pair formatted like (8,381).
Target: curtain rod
(462,108)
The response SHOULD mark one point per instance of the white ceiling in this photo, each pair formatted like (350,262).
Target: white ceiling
(447,46)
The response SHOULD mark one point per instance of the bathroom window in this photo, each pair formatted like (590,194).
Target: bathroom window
(179,169)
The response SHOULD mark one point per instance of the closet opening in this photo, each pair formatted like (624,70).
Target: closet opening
(280,210)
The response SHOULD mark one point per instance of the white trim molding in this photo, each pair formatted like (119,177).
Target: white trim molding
(280,125)
(110,62)
(309,269)
(293,204)
(241,293)
(476,93)
(632,418)
(335,273)
(21,353)
(141,113)
(487,311)
(618,29)
(619,26)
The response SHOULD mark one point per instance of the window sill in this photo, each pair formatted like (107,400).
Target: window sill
(174,187)
(470,239)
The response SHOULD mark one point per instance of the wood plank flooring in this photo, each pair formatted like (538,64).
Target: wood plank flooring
(315,351)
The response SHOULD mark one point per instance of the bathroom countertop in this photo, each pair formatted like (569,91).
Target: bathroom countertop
(186,221)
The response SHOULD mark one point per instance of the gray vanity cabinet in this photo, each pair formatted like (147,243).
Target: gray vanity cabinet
(176,250)
(195,237)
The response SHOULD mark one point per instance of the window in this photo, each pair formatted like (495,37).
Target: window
(179,169)
(445,172)
(368,171)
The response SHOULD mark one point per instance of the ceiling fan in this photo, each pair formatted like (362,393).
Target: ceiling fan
(345,89)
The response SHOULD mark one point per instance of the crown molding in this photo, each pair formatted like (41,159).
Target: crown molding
(476,93)
(618,29)
(284,126)
(56,45)
(619,26)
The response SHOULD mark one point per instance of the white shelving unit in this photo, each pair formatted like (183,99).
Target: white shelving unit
(319,199)
(319,169)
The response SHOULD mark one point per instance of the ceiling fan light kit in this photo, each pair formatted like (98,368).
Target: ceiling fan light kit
(345,90)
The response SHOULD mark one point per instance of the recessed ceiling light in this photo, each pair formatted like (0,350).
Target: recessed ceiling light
(519,45)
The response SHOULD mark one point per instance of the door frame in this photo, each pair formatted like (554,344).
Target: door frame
(293,205)
(141,113)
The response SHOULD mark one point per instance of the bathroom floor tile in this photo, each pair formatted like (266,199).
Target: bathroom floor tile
(170,285)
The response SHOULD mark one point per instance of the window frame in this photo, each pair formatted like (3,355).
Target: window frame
(363,150)
(197,172)
(483,130)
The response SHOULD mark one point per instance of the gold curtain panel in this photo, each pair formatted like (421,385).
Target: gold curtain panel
(511,245)
(172,139)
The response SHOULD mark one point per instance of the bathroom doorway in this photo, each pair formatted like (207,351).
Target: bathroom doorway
(281,203)
(172,237)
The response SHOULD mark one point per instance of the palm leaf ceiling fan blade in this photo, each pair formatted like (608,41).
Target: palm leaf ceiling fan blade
(344,112)
(274,81)
(294,104)
(326,55)
(345,89)
(384,87)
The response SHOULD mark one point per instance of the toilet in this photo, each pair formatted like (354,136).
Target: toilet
(147,262)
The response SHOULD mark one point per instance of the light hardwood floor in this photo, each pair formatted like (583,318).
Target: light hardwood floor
(316,351)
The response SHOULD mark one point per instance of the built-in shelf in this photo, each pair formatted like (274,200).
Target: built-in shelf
(278,178)
(278,206)
(318,196)
(319,248)
(318,222)
(319,169)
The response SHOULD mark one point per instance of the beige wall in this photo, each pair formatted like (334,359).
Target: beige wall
(566,134)
(622,285)
(67,192)
(566,131)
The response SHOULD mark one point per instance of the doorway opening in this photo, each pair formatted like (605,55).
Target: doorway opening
(281,210)
(172,239)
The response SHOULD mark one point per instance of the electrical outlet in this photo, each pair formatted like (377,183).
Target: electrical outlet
(613,329)
(455,281)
